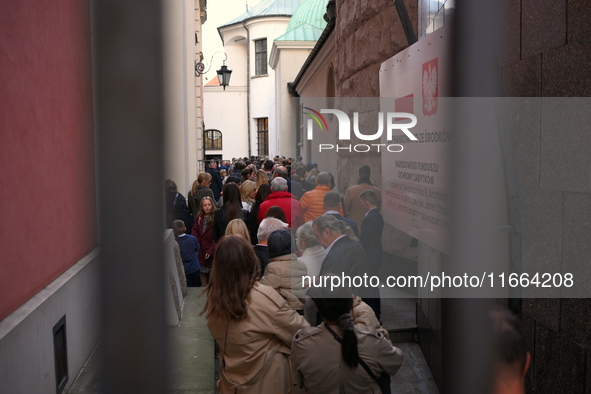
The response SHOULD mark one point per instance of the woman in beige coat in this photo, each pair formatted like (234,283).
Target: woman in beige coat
(252,323)
(338,356)
(284,272)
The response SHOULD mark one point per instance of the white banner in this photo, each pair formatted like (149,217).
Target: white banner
(416,195)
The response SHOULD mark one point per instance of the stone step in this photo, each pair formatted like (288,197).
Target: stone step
(402,335)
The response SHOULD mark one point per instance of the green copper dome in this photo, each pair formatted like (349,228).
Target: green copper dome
(307,22)
(268,8)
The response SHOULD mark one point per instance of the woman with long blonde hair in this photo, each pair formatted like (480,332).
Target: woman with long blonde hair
(248,190)
(237,227)
(261,178)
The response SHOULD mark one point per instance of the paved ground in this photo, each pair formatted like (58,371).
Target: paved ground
(414,376)
(399,318)
(193,363)
(192,367)
(192,355)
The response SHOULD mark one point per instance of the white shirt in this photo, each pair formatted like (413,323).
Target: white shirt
(332,213)
(330,246)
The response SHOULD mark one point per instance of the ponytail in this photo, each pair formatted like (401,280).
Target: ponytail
(338,310)
(349,344)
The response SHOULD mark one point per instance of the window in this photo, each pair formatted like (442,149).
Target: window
(60,352)
(263,136)
(213,140)
(260,50)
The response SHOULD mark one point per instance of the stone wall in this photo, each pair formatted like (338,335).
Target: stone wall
(547,52)
(367,33)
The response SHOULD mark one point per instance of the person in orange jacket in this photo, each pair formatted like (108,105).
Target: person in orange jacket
(312,201)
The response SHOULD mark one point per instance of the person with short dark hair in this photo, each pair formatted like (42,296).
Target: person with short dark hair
(512,360)
(338,356)
(331,204)
(189,247)
(277,213)
(306,186)
(285,272)
(233,179)
(354,210)
(252,324)
(268,167)
(216,180)
(176,206)
(238,167)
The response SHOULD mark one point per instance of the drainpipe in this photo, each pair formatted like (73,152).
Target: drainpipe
(247,84)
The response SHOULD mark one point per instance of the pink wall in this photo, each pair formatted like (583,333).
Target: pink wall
(47,186)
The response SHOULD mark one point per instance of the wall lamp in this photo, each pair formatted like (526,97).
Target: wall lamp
(223,73)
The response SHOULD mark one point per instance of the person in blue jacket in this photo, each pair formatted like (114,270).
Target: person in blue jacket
(189,247)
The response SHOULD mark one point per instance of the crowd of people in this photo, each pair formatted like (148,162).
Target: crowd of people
(249,232)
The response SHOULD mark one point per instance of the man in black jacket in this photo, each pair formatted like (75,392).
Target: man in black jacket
(307,186)
(344,257)
(216,180)
(371,239)
(176,207)
(238,167)
(371,230)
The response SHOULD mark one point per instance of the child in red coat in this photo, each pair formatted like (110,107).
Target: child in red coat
(203,231)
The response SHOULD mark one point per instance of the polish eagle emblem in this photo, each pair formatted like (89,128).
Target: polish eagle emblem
(430,87)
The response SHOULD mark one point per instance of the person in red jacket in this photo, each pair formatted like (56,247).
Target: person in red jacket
(286,201)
